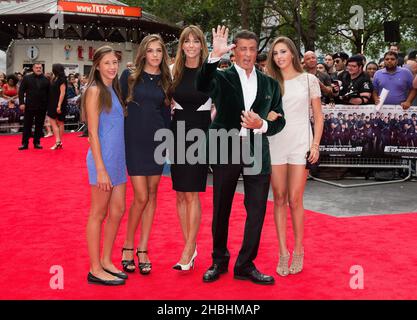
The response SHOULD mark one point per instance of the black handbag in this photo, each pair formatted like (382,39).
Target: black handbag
(309,165)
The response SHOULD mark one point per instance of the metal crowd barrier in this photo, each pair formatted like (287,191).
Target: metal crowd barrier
(6,128)
(365,163)
(415,172)
(72,119)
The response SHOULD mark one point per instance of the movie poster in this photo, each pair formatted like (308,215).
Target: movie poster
(353,130)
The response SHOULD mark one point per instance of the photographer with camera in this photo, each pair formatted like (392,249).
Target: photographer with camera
(353,86)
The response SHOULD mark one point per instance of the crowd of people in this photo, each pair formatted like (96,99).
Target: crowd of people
(353,80)
(259,95)
(11,112)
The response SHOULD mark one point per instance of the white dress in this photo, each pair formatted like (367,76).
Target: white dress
(291,144)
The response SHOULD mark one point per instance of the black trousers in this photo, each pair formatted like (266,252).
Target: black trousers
(29,115)
(256,188)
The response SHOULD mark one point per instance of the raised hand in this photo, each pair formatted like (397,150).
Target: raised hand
(220,46)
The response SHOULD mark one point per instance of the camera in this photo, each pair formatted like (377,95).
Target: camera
(351,94)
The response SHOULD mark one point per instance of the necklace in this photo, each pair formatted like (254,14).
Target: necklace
(151,76)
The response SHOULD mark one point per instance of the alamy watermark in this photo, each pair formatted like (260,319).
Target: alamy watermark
(357,21)
(57,20)
(224,147)
(357,280)
(57,280)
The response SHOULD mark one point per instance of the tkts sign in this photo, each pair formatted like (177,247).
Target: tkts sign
(100,9)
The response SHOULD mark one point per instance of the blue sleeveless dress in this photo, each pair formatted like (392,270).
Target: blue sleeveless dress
(112,142)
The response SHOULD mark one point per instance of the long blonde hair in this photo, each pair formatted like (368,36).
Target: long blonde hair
(140,62)
(273,70)
(180,58)
(94,79)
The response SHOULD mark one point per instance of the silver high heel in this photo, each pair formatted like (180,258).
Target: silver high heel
(282,267)
(188,266)
(297,263)
(57,145)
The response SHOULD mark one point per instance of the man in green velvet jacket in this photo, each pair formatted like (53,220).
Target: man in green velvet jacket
(243,98)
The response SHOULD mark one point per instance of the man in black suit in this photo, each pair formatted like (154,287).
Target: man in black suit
(244,97)
(33,100)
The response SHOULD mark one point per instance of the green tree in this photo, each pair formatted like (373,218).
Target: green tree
(312,24)
(236,14)
(337,29)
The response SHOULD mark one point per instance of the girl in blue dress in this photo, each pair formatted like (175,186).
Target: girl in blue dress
(106,164)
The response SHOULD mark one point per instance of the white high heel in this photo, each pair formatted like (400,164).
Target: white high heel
(188,266)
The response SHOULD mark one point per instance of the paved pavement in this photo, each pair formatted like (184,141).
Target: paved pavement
(357,201)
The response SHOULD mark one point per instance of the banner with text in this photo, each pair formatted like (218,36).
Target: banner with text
(100,9)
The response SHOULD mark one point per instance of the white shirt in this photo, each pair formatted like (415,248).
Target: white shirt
(249,89)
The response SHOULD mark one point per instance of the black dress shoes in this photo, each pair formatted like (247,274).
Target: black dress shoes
(23,147)
(94,280)
(214,272)
(255,276)
(37,146)
(120,274)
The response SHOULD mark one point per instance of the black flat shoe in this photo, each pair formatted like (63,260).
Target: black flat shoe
(94,280)
(256,277)
(214,272)
(120,275)
(23,147)
(37,146)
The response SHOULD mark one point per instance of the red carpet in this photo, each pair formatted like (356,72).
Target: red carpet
(45,201)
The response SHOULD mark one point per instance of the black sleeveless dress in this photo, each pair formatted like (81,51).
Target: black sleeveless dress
(54,94)
(188,177)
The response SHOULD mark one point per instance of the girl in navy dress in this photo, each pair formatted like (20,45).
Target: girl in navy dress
(106,164)
(145,91)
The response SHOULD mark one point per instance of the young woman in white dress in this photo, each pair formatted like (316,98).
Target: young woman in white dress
(289,147)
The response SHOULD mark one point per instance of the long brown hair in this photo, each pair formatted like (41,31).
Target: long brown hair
(140,62)
(273,70)
(180,58)
(94,79)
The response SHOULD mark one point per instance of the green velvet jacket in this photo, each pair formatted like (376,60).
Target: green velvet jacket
(225,89)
